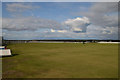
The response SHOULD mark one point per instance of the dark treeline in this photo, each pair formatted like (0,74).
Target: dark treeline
(35,41)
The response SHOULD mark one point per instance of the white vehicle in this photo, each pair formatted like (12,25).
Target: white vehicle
(4,52)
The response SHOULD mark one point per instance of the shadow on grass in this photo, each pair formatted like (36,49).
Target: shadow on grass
(14,55)
(9,55)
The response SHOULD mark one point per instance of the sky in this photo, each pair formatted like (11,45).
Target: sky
(59,20)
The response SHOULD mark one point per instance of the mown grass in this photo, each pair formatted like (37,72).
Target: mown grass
(61,60)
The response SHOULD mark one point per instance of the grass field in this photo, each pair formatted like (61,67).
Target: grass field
(61,60)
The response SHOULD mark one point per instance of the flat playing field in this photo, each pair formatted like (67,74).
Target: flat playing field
(61,60)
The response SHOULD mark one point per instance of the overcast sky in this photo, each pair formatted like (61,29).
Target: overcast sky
(60,20)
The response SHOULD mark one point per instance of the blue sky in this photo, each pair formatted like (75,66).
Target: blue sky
(51,10)
(59,20)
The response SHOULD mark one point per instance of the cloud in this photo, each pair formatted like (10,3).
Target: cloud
(93,32)
(103,17)
(78,24)
(102,32)
(29,23)
(103,14)
(60,31)
(40,35)
(33,23)
(19,7)
(101,22)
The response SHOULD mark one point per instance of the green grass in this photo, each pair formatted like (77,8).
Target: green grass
(61,60)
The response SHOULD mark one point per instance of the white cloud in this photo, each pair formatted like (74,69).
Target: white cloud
(103,14)
(92,32)
(52,30)
(102,32)
(60,31)
(19,7)
(103,17)
(34,23)
(78,24)
(29,23)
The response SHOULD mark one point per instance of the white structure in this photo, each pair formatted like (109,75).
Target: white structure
(4,52)
(109,42)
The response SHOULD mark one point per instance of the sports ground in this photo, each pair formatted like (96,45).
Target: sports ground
(61,60)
